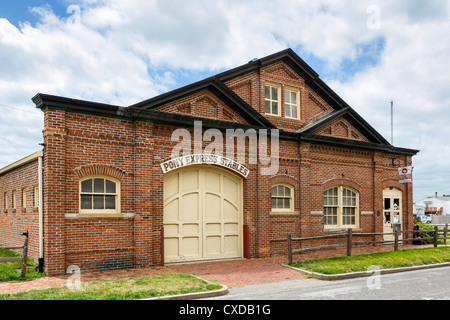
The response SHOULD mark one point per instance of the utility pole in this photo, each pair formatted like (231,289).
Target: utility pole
(392,122)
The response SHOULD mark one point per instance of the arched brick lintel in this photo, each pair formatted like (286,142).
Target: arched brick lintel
(283,179)
(100,170)
(341,182)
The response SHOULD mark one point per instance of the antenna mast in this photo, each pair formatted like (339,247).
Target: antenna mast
(392,122)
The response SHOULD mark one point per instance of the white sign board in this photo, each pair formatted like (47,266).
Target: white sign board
(405,174)
(212,159)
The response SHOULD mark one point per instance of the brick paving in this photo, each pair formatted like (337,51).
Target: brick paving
(232,273)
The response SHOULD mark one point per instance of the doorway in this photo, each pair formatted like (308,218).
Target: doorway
(392,212)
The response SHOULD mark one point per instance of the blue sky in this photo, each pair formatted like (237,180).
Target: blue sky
(369,51)
(19,11)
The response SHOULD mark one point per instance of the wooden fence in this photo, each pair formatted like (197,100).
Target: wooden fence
(22,259)
(349,240)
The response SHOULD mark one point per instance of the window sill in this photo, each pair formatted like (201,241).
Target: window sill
(98,215)
(341,230)
(287,212)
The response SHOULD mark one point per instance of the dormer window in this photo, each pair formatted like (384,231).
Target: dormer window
(291,103)
(272,99)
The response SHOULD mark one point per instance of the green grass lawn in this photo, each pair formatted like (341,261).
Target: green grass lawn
(121,289)
(383,260)
(11,271)
(103,290)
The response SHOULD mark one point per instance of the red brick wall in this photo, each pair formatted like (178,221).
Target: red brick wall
(250,88)
(14,221)
(77,145)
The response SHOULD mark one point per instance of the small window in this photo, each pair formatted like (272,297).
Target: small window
(36,196)
(13,199)
(24,198)
(5,200)
(99,195)
(282,198)
(291,104)
(272,99)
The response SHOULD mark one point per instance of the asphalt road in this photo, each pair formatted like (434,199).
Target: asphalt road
(427,284)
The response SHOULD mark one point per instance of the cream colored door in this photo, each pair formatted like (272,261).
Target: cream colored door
(392,212)
(202,214)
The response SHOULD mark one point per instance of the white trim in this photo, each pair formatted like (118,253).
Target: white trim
(279,93)
(292,203)
(340,211)
(100,212)
(297,92)
(286,212)
(30,158)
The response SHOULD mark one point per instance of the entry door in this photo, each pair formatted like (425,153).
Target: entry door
(202,214)
(392,212)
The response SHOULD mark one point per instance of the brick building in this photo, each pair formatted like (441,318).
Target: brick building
(222,168)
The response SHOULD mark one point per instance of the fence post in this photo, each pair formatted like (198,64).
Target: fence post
(349,243)
(435,236)
(25,254)
(289,245)
(395,240)
(445,234)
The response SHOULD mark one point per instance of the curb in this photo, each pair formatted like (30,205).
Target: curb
(351,275)
(195,295)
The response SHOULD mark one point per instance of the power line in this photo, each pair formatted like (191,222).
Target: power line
(20,109)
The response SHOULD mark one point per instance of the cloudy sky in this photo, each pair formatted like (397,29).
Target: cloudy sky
(115,51)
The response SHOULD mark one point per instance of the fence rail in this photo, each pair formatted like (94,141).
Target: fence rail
(22,259)
(349,243)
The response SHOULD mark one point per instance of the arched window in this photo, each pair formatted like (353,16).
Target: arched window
(282,197)
(341,207)
(99,195)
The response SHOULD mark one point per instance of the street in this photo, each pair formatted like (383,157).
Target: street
(427,284)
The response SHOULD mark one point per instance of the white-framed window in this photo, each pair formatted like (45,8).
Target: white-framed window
(291,103)
(24,198)
(282,197)
(35,196)
(99,194)
(272,95)
(341,207)
(13,199)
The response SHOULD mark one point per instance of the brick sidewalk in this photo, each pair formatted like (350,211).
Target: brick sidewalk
(232,273)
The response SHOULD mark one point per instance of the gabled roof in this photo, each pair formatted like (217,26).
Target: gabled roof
(353,118)
(298,65)
(213,85)
(147,109)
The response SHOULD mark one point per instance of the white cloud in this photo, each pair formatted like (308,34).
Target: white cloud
(121,52)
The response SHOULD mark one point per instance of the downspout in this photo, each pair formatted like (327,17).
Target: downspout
(134,191)
(374,196)
(299,189)
(257,167)
(41,216)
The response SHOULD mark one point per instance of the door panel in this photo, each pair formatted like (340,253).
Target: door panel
(202,214)
(392,212)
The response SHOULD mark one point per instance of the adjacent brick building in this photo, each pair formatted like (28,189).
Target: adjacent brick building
(115,194)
